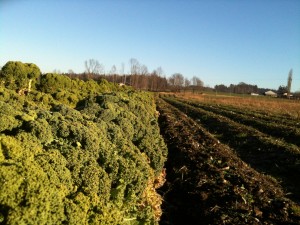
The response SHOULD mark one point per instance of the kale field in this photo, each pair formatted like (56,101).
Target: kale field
(93,152)
(78,152)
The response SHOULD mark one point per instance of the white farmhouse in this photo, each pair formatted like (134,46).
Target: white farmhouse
(270,93)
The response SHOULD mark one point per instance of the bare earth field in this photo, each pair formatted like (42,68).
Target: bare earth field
(231,160)
(268,105)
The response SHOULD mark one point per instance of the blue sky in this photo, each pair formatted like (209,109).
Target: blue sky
(220,41)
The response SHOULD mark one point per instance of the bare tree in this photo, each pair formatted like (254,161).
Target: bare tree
(122,73)
(194,81)
(154,80)
(187,82)
(134,71)
(162,84)
(159,71)
(70,71)
(113,70)
(143,82)
(57,71)
(200,83)
(113,73)
(144,70)
(197,83)
(134,66)
(177,81)
(171,80)
(92,66)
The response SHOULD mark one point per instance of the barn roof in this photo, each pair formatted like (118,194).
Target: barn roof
(270,93)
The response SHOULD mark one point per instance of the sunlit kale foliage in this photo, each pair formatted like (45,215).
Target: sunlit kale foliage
(20,76)
(74,152)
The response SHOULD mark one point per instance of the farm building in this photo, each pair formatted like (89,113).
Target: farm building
(270,93)
(287,95)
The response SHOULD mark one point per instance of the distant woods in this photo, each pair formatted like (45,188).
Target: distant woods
(23,77)
(138,77)
(243,88)
(26,76)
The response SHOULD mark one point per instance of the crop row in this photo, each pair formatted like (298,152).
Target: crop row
(290,133)
(207,182)
(93,164)
(255,112)
(261,151)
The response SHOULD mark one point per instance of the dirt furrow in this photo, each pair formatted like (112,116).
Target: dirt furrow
(289,133)
(208,184)
(261,151)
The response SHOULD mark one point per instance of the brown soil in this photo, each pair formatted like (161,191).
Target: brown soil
(207,183)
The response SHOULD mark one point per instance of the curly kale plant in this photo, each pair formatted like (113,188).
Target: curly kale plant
(93,163)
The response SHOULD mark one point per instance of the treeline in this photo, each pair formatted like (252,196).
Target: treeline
(139,77)
(243,88)
(240,88)
(28,76)
(149,82)
(25,77)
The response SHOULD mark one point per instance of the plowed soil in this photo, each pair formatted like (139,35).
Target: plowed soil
(207,183)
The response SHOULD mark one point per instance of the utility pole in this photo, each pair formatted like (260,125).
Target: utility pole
(289,83)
